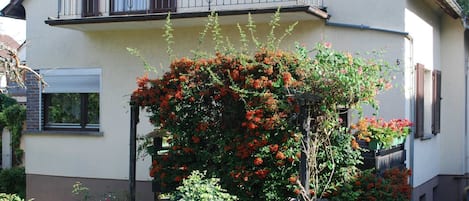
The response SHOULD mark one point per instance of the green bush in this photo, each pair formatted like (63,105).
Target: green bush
(13,181)
(237,114)
(6,101)
(198,188)
(393,185)
(10,197)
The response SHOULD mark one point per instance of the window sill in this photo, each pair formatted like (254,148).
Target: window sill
(65,133)
(426,137)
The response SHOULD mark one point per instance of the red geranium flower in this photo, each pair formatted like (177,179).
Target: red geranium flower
(195,139)
(258,161)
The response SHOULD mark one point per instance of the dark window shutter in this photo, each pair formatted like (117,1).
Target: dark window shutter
(419,100)
(436,102)
(90,8)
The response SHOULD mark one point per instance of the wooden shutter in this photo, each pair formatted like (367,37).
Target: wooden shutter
(436,102)
(90,8)
(419,101)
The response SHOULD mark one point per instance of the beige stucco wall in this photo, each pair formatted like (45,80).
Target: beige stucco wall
(453,140)
(379,14)
(373,14)
(107,156)
(423,27)
(438,44)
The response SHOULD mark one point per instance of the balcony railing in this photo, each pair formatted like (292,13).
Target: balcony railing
(72,9)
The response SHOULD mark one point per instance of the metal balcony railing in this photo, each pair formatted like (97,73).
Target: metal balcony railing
(94,8)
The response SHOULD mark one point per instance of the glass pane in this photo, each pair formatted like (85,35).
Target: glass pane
(130,5)
(64,108)
(139,5)
(93,108)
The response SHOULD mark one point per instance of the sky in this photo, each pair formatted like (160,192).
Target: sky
(3,3)
(12,27)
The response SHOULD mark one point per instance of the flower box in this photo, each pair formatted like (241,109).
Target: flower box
(383,159)
(380,134)
(376,145)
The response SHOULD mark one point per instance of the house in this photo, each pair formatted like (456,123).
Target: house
(80,49)
(12,34)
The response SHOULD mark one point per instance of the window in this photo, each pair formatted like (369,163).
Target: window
(142,6)
(71,101)
(71,111)
(130,5)
(90,8)
(427,110)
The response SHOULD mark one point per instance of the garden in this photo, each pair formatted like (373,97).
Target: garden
(265,123)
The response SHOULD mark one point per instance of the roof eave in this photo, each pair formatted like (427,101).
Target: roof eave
(451,8)
(14,10)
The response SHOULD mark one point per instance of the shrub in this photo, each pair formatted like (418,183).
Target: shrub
(235,114)
(13,181)
(198,188)
(10,197)
(82,193)
(391,186)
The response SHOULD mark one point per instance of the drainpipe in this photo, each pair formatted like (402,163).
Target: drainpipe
(411,106)
(411,63)
(464,20)
(365,27)
(466,101)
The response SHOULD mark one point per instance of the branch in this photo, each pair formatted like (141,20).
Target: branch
(13,68)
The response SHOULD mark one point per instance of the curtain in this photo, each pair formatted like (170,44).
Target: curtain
(131,5)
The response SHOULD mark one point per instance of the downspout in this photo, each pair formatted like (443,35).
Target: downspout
(466,101)
(411,106)
(411,63)
(466,84)
(364,27)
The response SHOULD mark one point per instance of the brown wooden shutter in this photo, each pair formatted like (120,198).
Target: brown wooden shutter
(436,102)
(90,8)
(419,100)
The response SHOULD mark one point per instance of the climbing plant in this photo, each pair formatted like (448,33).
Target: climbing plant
(234,113)
(12,117)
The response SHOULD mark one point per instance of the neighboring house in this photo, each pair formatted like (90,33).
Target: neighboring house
(12,34)
(7,86)
(78,127)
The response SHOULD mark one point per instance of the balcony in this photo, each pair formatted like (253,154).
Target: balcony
(104,14)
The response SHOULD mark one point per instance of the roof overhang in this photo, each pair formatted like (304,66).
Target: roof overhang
(293,13)
(14,9)
(450,7)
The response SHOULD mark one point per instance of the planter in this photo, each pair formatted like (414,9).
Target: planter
(383,159)
(375,145)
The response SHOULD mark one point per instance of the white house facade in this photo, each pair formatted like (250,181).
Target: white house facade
(80,49)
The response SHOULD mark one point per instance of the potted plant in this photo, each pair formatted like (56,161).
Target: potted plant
(381,134)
